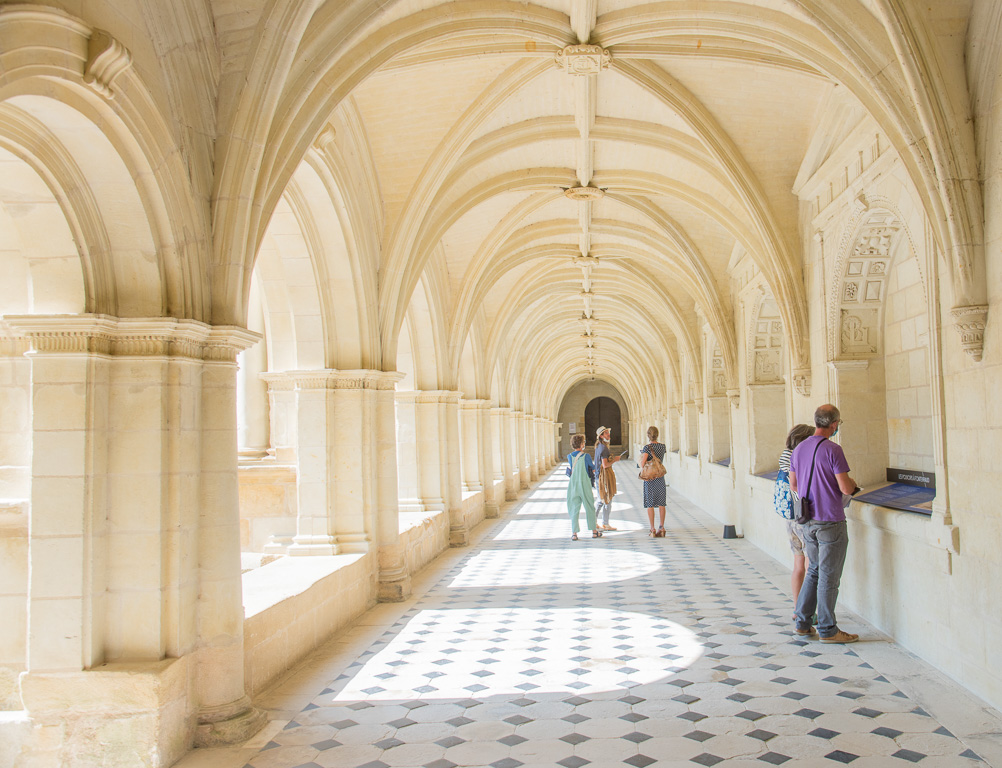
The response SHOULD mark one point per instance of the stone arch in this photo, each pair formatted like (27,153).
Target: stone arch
(879,344)
(134,216)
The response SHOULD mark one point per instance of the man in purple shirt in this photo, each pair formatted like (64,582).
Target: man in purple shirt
(820,473)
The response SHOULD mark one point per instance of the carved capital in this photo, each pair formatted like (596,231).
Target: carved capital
(132,337)
(802,381)
(583,59)
(970,323)
(106,60)
(734,397)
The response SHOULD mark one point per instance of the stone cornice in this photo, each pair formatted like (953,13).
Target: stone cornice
(329,378)
(131,337)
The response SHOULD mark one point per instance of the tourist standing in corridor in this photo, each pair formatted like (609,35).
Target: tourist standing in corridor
(655,489)
(579,492)
(819,472)
(606,476)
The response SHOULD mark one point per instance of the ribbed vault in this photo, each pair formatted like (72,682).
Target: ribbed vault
(683,126)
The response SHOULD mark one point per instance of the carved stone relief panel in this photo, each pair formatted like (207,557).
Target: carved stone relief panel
(862,288)
(858,332)
(765,359)
(718,379)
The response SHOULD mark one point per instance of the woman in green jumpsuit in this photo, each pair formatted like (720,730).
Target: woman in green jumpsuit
(579,490)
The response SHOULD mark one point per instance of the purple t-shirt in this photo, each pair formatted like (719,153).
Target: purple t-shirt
(824,493)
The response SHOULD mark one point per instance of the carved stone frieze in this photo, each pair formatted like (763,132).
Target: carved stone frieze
(970,323)
(582,60)
(141,337)
(106,60)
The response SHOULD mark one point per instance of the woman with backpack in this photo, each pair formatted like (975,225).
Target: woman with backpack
(783,502)
(655,488)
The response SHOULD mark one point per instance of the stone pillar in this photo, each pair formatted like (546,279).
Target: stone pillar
(532,446)
(394,578)
(459,529)
(499,452)
(15,490)
(304,409)
(224,712)
(252,394)
(134,537)
(363,470)
(509,444)
(408,471)
(521,449)
(478,473)
(488,441)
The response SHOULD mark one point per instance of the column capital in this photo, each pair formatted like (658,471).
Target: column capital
(474,404)
(131,337)
(330,378)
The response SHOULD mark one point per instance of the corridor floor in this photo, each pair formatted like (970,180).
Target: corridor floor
(528,649)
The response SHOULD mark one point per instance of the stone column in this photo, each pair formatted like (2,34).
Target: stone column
(224,712)
(531,446)
(394,578)
(363,471)
(487,441)
(521,449)
(304,409)
(459,529)
(15,490)
(252,394)
(408,481)
(499,452)
(134,537)
(509,444)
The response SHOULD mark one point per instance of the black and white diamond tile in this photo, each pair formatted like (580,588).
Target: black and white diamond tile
(532,650)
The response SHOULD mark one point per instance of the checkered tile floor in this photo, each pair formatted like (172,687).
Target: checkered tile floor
(534,650)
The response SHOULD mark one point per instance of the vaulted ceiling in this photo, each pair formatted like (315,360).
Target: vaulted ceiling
(567,185)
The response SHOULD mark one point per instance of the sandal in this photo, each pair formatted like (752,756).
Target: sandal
(653,534)
(607,528)
(596,534)
(661,532)
(574,537)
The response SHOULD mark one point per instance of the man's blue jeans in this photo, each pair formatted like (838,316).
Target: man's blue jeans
(825,545)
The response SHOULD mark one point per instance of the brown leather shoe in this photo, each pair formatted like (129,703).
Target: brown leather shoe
(841,637)
(809,632)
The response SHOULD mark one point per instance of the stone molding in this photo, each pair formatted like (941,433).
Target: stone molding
(849,365)
(107,58)
(329,378)
(970,322)
(583,60)
(475,404)
(131,337)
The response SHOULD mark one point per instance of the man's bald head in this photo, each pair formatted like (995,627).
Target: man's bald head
(826,415)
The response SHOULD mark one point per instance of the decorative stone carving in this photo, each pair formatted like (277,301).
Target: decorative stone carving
(857,331)
(127,337)
(802,382)
(584,194)
(970,322)
(106,60)
(734,397)
(583,59)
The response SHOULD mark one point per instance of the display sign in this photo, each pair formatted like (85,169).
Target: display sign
(914,477)
(573,427)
